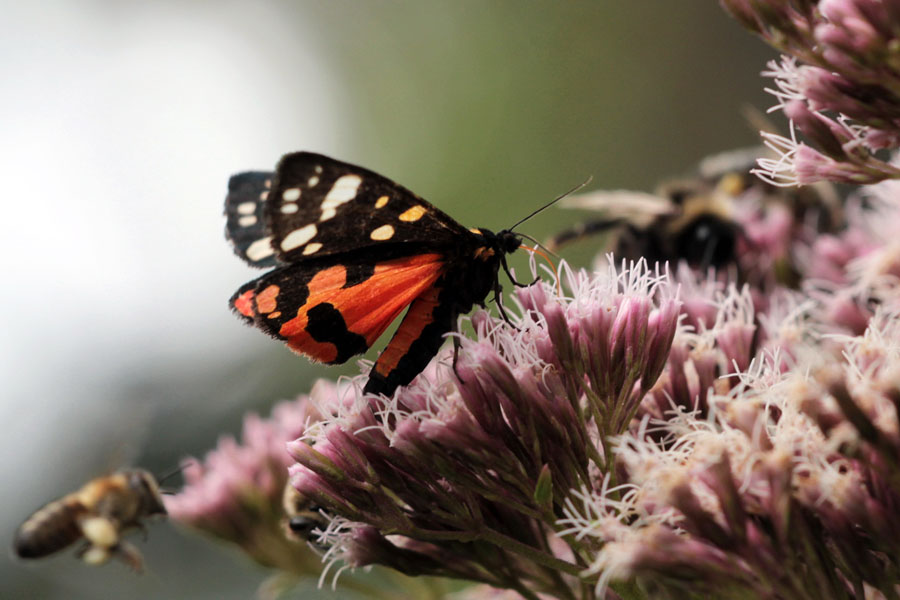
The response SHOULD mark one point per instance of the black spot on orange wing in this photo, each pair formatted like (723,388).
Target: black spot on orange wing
(277,298)
(327,326)
(359,273)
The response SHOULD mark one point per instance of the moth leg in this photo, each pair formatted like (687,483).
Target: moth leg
(456,345)
(498,300)
(513,279)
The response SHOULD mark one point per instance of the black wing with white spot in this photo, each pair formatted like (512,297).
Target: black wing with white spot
(245,225)
(321,207)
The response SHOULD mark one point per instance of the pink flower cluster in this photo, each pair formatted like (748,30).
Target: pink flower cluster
(235,493)
(465,472)
(838,82)
(765,462)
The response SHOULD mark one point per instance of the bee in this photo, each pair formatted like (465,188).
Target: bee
(695,220)
(99,512)
(302,517)
(683,220)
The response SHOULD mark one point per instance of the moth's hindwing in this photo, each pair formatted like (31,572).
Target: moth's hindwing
(245,225)
(416,341)
(331,311)
(322,207)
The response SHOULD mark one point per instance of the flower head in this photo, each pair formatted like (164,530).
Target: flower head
(236,492)
(486,452)
(838,82)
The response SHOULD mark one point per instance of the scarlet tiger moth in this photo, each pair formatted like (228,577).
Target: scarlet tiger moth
(352,250)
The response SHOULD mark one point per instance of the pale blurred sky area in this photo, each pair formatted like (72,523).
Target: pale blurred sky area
(122,121)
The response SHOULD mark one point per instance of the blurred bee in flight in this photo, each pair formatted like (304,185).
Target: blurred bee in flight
(703,220)
(100,512)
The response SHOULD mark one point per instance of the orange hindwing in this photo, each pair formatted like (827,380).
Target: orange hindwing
(340,315)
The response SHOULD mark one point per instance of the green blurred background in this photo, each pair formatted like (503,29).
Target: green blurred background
(122,122)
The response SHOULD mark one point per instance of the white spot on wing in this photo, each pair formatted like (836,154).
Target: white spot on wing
(343,191)
(312,248)
(313,181)
(291,195)
(247,221)
(246,208)
(289,209)
(385,232)
(298,237)
(263,196)
(260,249)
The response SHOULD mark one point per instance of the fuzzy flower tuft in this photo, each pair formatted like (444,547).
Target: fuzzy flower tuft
(785,466)
(838,82)
(467,472)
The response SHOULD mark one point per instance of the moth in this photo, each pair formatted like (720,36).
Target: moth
(350,250)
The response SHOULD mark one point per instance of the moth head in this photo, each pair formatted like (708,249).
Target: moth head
(508,242)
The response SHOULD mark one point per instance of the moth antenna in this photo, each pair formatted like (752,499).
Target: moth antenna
(554,201)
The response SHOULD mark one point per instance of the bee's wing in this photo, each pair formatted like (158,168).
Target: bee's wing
(637,208)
